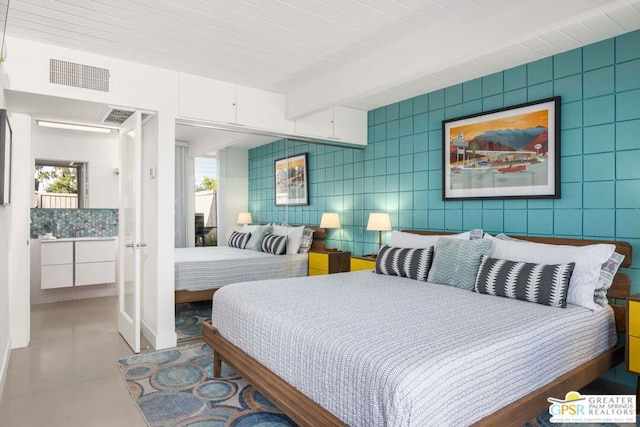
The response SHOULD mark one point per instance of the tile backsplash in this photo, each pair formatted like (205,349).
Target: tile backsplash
(74,222)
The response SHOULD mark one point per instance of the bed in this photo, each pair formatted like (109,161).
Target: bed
(352,359)
(201,271)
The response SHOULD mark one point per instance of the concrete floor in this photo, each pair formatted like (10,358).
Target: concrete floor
(68,376)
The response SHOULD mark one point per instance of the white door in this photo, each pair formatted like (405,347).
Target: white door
(130,231)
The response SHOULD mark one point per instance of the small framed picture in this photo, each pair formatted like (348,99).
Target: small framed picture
(291,182)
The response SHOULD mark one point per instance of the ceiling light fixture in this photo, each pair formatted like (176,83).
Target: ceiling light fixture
(71,126)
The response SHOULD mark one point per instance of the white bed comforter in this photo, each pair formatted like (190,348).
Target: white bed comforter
(215,266)
(379,350)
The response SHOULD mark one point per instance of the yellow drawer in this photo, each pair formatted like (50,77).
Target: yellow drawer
(634,318)
(634,354)
(362,264)
(316,272)
(318,261)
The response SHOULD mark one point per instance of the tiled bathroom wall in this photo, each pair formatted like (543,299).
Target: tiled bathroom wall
(74,222)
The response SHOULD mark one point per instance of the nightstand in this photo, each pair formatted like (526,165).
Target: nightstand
(365,262)
(328,262)
(633,341)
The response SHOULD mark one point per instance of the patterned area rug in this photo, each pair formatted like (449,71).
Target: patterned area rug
(175,388)
(189,317)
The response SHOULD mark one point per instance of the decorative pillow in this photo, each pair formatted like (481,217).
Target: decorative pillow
(401,239)
(307,240)
(456,262)
(274,244)
(539,283)
(587,275)
(413,263)
(239,240)
(608,271)
(476,233)
(255,241)
(249,228)
(294,236)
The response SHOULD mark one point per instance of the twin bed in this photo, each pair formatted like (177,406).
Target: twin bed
(376,349)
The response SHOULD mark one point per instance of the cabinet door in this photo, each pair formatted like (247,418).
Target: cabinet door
(350,125)
(362,264)
(93,273)
(318,263)
(56,276)
(95,251)
(262,109)
(319,125)
(206,99)
(52,253)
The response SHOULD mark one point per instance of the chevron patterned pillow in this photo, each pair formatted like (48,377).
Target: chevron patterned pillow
(539,283)
(456,262)
(413,263)
(239,240)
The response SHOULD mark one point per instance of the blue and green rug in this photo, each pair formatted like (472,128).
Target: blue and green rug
(176,388)
(189,318)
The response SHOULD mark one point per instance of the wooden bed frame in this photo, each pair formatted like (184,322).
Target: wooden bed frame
(305,412)
(319,235)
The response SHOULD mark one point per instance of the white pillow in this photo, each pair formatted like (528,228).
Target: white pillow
(585,275)
(400,239)
(294,236)
(249,228)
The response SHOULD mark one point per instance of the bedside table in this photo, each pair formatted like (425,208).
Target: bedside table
(365,262)
(633,341)
(328,262)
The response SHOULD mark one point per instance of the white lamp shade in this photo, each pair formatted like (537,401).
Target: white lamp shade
(330,220)
(379,222)
(244,218)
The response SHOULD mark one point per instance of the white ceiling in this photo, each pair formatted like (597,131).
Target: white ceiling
(321,53)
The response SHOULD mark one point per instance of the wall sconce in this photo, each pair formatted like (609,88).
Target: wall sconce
(379,222)
(331,220)
(244,218)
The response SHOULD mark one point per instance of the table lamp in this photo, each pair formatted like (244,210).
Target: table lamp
(379,222)
(244,218)
(331,220)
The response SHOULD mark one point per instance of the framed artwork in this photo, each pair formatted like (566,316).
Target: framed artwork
(291,181)
(512,152)
(5,159)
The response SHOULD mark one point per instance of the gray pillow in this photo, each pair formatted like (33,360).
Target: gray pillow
(255,242)
(456,262)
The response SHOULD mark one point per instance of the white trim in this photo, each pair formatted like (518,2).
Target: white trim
(4,366)
(158,342)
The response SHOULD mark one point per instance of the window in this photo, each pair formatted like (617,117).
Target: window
(206,200)
(60,185)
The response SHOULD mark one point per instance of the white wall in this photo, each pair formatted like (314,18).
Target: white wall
(99,151)
(233,190)
(5,230)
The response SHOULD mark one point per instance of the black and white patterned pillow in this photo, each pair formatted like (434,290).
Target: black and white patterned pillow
(274,244)
(539,283)
(307,240)
(404,262)
(239,240)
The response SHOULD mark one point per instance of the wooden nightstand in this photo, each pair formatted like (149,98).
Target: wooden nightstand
(328,262)
(633,341)
(365,262)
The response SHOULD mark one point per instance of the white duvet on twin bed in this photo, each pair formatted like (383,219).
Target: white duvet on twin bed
(211,267)
(380,350)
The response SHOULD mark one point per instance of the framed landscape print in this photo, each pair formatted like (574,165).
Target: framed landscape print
(291,184)
(512,152)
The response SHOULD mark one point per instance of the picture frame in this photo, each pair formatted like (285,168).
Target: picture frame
(291,181)
(511,152)
(6,149)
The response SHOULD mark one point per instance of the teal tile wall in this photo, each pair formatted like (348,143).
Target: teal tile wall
(74,222)
(401,168)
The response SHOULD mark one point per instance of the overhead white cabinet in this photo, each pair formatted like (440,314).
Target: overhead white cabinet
(56,265)
(206,99)
(341,124)
(262,109)
(69,262)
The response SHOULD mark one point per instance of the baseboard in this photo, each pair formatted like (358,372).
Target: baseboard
(4,365)
(19,340)
(158,342)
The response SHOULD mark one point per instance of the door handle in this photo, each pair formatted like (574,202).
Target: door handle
(141,245)
(128,245)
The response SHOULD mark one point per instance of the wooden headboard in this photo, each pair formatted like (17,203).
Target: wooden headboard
(621,287)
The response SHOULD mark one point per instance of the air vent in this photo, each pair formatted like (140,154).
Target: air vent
(78,75)
(115,115)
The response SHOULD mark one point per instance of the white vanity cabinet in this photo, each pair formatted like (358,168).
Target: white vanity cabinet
(95,262)
(77,262)
(56,264)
